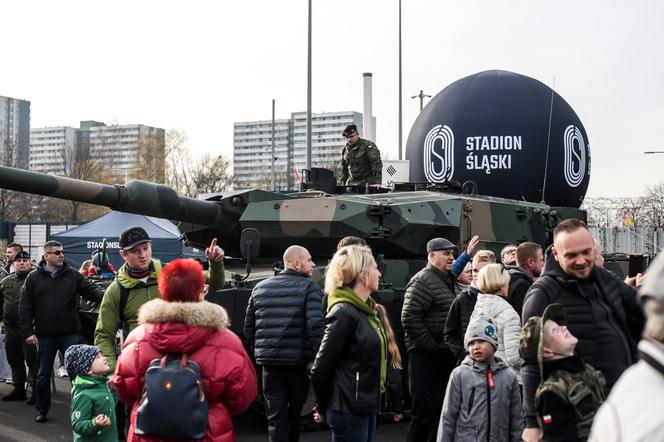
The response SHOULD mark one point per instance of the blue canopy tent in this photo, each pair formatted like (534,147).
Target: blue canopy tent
(81,241)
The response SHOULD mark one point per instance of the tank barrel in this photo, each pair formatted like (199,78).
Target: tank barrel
(135,197)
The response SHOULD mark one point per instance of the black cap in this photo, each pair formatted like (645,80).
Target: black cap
(439,244)
(349,130)
(22,255)
(132,237)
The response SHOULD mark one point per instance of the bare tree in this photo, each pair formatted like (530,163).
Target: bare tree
(189,176)
(8,197)
(150,161)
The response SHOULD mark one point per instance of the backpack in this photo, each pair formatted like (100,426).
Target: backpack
(174,403)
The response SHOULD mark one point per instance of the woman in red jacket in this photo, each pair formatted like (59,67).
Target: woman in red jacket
(182,322)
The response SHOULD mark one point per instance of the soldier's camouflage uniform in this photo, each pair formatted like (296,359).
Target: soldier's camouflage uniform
(361,164)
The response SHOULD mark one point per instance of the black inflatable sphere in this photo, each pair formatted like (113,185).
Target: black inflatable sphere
(492,128)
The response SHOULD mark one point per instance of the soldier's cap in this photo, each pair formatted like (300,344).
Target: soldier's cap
(132,237)
(531,343)
(439,244)
(21,255)
(653,287)
(349,130)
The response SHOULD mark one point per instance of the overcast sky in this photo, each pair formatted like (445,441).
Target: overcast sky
(200,66)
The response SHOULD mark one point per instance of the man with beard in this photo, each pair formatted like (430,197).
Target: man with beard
(12,250)
(603,312)
(284,328)
(530,261)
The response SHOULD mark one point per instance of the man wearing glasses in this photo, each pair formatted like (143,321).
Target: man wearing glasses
(508,255)
(360,161)
(48,314)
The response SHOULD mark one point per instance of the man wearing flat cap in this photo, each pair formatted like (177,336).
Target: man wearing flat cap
(427,301)
(135,284)
(360,160)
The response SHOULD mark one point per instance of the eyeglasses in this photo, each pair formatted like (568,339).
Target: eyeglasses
(57,252)
(509,252)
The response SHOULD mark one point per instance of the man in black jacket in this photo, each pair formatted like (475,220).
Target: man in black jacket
(602,311)
(48,314)
(530,261)
(284,327)
(427,301)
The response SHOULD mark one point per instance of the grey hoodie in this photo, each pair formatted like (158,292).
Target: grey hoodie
(469,415)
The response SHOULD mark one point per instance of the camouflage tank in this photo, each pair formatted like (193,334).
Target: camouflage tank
(397,224)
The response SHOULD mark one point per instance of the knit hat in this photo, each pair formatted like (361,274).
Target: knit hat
(531,343)
(79,358)
(482,327)
(21,255)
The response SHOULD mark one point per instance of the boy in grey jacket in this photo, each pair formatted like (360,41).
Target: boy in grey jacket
(483,399)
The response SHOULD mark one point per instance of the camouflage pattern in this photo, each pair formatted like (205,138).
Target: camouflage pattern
(361,164)
(397,224)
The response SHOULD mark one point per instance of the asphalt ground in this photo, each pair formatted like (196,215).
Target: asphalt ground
(17,422)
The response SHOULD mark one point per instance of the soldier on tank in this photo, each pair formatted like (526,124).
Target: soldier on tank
(360,160)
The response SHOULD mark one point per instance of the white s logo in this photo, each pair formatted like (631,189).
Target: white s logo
(574,166)
(444,153)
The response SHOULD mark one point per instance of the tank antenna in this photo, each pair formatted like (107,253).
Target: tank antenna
(548,140)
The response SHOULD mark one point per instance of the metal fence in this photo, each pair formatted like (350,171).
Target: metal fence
(630,240)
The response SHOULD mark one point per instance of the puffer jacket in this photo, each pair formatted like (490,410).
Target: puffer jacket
(633,410)
(474,412)
(429,295)
(10,295)
(520,282)
(50,302)
(284,320)
(351,363)
(457,321)
(200,330)
(508,324)
(555,286)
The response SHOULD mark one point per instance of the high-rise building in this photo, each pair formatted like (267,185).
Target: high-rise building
(252,147)
(53,149)
(118,146)
(14,132)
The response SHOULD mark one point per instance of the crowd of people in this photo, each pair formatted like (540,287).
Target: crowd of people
(533,345)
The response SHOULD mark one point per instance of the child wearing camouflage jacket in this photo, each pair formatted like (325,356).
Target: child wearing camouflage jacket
(92,403)
(483,398)
(571,391)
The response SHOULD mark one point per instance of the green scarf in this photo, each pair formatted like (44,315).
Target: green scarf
(347,294)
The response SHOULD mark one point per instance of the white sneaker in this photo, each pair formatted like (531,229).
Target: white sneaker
(62,372)
(8,381)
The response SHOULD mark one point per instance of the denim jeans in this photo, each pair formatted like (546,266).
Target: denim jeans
(351,427)
(47,347)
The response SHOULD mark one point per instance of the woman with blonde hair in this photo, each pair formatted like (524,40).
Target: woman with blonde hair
(493,281)
(349,372)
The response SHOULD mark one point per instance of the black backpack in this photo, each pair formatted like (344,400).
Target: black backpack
(174,403)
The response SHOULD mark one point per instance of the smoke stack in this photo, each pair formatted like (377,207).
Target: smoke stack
(369,131)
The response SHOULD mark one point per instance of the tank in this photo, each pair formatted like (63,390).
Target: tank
(397,223)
